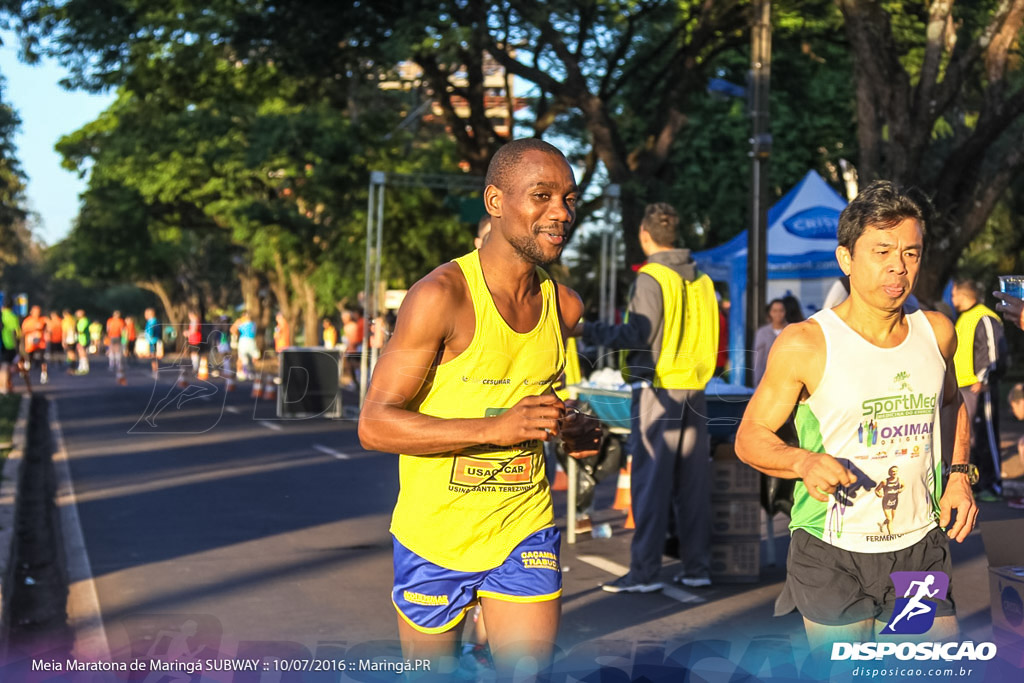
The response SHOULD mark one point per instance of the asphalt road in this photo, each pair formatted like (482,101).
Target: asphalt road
(215,525)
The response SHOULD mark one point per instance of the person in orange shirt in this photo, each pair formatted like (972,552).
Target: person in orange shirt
(54,337)
(129,338)
(115,349)
(282,334)
(33,330)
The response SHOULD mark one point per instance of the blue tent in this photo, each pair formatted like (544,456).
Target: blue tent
(801,244)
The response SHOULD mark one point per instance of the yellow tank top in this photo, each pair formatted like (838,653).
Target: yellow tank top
(467,510)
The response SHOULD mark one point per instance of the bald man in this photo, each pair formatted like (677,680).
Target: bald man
(466,398)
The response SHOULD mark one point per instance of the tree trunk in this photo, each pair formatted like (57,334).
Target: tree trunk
(249,283)
(306,295)
(176,315)
(967,172)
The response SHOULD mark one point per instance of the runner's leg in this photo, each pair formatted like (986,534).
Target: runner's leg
(823,635)
(519,631)
(435,647)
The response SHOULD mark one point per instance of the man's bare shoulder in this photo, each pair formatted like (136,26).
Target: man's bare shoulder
(570,304)
(945,333)
(444,285)
(801,337)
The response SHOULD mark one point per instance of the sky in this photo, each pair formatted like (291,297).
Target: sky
(47,112)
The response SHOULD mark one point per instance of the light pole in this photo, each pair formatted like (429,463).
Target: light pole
(760,151)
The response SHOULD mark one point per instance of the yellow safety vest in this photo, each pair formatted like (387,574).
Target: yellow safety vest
(963,359)
(688,351)
(467,510)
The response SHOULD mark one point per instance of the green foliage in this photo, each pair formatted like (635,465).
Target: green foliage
(280,183)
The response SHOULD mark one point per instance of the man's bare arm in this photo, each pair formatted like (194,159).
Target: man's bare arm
(798,350)
(957,495)
(387,424)
(580,433)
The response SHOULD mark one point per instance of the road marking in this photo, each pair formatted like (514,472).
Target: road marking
(604,564)
(83,604)
(611,567)
(271,425)
(330,451)
(233,409)
(680,595)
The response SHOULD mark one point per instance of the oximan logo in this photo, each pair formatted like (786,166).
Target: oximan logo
(914,613)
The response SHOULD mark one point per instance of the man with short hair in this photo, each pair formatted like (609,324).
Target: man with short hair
(669,343)
(466,398)
(115,347)
(868,381)
(10,337)
(152,332)
(33,331)
(248,352)
(54,339)
(82,342)
(980,347)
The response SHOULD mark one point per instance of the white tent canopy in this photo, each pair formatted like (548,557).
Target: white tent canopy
(801,244)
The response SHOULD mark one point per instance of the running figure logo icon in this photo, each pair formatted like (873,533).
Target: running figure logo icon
(914,613)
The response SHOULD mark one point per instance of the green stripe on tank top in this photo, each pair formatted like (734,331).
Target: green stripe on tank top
(808,514)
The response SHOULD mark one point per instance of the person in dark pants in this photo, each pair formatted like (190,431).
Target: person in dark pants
(668,342)
(980,346)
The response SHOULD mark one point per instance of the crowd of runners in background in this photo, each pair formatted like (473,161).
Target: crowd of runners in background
(34,344)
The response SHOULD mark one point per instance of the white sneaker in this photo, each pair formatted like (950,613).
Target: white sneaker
(43,378)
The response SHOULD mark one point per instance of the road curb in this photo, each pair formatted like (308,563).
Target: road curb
(9,495)
(83,606)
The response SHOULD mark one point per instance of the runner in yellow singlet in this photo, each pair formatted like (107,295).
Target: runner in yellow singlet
(466,397)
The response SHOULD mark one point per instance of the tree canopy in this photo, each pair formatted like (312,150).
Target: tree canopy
(251,127)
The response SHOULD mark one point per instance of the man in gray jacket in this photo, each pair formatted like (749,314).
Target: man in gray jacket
(980,354)
(669,341)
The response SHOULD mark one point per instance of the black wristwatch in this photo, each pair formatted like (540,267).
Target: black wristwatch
(970,470)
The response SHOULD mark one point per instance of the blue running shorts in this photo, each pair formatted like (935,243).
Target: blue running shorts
(433,599)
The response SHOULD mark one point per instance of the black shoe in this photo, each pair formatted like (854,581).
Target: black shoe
(627,584)
(692,581)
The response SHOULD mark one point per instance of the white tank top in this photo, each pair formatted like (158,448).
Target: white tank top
(876,411)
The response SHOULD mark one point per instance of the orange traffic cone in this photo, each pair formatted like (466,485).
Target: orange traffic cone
(561,482)
(256,390)
(623,499)
(204,369)
(630,524)
(270,390)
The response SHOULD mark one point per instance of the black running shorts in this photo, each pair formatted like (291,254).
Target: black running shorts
(837,587)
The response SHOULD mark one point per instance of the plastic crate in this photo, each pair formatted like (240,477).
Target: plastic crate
(736,560)
(735,517)
(730,477)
